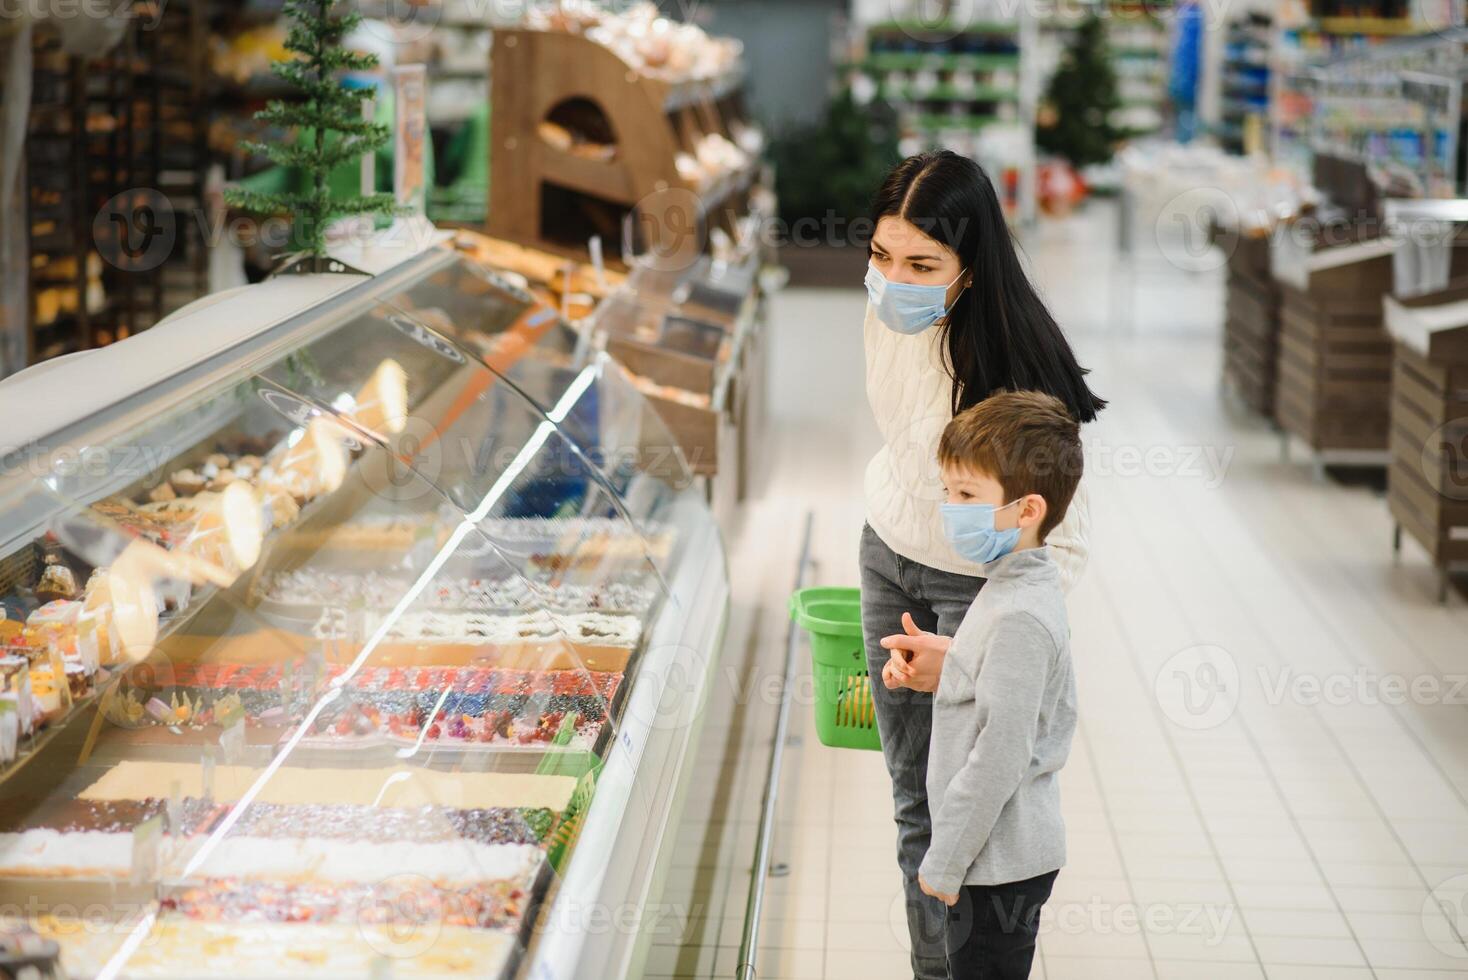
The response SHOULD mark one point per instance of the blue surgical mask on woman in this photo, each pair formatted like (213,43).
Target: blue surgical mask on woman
(907,308)
(970,529)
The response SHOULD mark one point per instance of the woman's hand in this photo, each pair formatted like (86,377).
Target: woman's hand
(917,657)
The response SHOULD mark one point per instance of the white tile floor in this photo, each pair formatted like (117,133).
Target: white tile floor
(1255,790)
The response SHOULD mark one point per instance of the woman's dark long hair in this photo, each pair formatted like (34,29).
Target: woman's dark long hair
(999,333)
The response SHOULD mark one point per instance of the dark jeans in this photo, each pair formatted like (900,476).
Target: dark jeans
(991,931)
(890,586)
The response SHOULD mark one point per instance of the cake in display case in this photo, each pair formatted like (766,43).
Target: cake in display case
(352,626)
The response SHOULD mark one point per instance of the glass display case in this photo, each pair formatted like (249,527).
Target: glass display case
(352,626)
(687,335)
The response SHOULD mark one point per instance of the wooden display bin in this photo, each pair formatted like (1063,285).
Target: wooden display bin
(545,195)
(699,431)
(1427,487)
(1335,356)
(1251,327)
(585,145)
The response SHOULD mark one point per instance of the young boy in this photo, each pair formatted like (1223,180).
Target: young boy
(1005,708)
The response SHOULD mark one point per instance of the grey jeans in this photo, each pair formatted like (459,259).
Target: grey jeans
(890,586)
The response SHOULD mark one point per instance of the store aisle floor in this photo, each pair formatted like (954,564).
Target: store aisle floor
(1270,778)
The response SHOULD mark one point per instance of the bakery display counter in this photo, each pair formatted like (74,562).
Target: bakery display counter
(691,338)
(352,626)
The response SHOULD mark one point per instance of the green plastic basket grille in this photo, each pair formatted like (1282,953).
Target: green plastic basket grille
(846,717)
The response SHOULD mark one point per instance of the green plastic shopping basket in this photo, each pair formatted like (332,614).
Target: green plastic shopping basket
(846,717)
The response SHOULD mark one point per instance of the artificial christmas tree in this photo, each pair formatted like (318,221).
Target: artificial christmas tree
(329,128)
(1076,121)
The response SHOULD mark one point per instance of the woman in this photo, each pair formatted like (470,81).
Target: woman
(952,318)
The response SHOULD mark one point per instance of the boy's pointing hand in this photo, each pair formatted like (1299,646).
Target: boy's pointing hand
(917,656)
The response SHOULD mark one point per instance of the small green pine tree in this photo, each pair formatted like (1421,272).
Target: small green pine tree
(328,121)
(831,168)
(1083,96)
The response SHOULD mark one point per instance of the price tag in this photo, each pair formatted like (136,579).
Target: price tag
(597,263)
(147,838)
(174,808)
(58,677)
(627,745)
(410,127)
(316,668)
(86,642)
(369,160)
(24,705)
(232,741)
(424,547)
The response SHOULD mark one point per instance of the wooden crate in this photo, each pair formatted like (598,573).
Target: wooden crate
(1427,487)
(1251,326)
(1334,372)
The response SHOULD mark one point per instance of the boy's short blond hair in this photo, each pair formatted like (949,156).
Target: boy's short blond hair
(1027,441)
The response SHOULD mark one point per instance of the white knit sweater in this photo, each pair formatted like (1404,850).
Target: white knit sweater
(910,392)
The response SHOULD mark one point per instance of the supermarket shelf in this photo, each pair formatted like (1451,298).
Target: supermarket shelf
(481,74)
(1141,51)
(907,61)
(703,90)
(947,93)
(917,28)
(930,122)
(1372,26)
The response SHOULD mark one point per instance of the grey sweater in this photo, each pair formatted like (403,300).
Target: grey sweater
(1003,718)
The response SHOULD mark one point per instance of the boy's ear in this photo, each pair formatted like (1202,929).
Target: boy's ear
(1033,510)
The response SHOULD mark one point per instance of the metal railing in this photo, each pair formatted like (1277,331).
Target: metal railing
(760,871)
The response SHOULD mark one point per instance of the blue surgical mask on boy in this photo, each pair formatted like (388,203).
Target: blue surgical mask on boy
(970,529)
(905,307)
